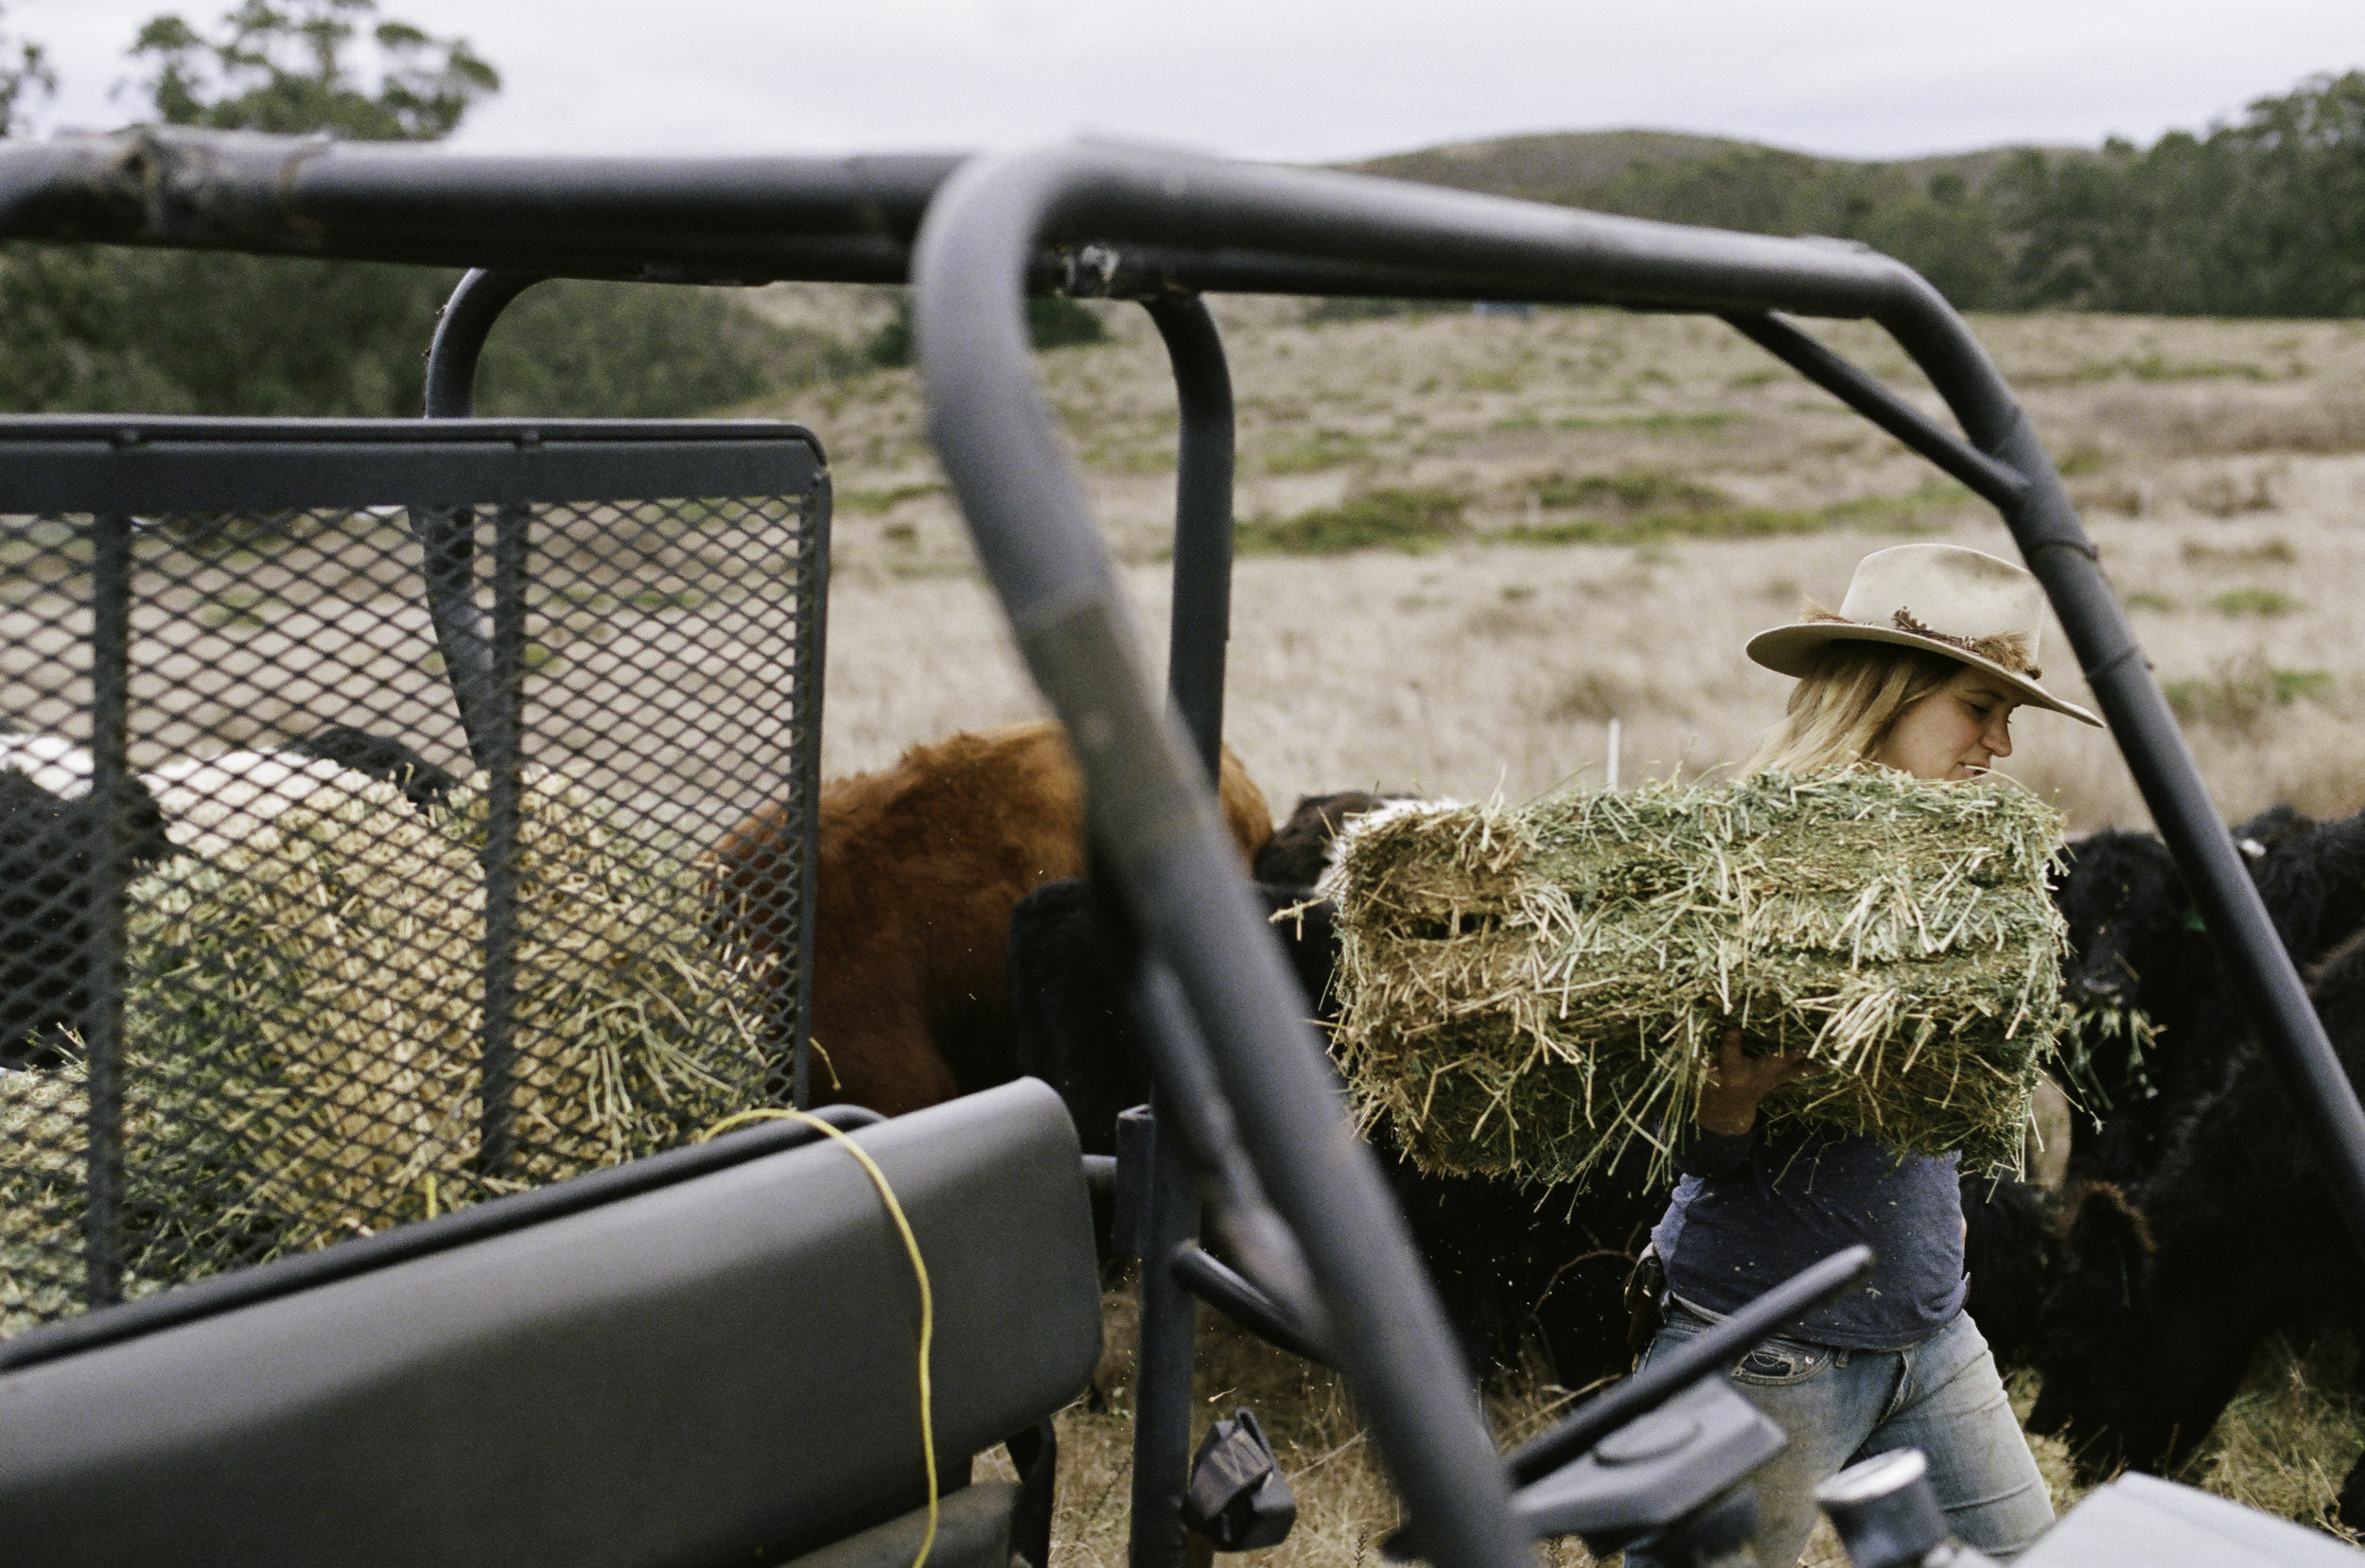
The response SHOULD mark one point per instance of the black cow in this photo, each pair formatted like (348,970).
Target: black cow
(2011,1250)
(49,895)
(1299,851)
(1076,1028)
(2167,1290)
(423,784)
(1509,1264)
(46,866)
(2138,943)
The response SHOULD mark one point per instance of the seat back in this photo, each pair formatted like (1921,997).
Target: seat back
(720,1370)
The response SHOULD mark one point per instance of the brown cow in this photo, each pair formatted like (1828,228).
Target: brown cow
(920,866)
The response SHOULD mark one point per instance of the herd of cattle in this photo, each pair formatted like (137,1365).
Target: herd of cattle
(960,943)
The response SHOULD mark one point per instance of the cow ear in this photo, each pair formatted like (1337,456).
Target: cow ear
(2104,1228)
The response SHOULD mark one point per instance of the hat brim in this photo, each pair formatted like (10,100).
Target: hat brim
(1791,650)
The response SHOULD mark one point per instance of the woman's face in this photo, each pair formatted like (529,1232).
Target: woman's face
(1956,732)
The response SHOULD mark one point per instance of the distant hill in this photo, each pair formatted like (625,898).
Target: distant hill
(1939,214)
(2262,214)
(1557,166)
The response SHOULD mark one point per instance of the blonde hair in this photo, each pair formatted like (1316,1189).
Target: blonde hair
(1844,705)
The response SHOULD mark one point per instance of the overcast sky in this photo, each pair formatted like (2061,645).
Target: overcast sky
(1316,80)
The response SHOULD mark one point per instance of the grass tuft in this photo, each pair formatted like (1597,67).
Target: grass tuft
(1400,519)
(2286,1441)
(2250,601)
(2242,691)
(1630,489)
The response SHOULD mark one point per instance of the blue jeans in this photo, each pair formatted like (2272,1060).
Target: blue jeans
(1941,1396)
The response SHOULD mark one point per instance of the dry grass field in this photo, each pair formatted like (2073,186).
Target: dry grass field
(1707,491)
(1578,518)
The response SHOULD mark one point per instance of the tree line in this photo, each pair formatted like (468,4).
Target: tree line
(2262,215)
(94,328)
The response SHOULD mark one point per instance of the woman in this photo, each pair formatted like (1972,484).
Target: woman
(1932,650)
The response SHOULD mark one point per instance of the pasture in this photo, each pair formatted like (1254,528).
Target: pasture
(1470,543)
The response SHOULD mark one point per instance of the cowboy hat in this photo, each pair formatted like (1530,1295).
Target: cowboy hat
(1964,603)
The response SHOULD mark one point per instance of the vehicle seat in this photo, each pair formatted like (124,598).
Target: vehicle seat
(722,1370)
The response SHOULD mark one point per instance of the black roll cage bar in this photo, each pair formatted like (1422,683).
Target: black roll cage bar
(1153,810)
(1116,222)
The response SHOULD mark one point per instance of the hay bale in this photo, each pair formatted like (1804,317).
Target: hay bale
(1524,991)
(41,1118)
(309,1000)
(45,1119)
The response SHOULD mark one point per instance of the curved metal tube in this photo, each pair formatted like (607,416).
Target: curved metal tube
(1202,520)
(738,219)
(448,544)
(448,536)
(466,320)
(1153,819)
(1152,811)
(1168,1338)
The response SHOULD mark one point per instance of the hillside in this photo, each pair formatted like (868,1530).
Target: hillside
(2260,215)
(1555,165)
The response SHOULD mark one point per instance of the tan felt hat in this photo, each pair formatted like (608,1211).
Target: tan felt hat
(1964,603)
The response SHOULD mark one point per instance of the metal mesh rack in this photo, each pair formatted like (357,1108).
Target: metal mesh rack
(336,890)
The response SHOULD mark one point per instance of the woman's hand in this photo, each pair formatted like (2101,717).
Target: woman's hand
(1737,1081)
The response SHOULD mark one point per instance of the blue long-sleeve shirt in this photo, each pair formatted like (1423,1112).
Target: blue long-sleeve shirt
(1752,1210)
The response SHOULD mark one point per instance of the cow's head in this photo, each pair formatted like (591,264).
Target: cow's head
(2127,912)
(2136,1368)
(1299,851)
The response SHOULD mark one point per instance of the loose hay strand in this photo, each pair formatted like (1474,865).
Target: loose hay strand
(1526,990)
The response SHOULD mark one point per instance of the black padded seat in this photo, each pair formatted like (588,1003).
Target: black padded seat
(720,1370)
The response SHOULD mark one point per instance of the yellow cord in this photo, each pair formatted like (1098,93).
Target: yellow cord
(920,1272)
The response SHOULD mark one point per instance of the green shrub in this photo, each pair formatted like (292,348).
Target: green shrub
(1053,320)
(1908,514)
(1632,490)
(1401,519)
(2253,601)
(1323,450)
(2242,691)
(1343,307)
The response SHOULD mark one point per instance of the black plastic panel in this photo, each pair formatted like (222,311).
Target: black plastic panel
(721,1368)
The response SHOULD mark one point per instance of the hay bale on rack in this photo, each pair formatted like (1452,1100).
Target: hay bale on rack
(1528,991)
(312,998)
(42,1120)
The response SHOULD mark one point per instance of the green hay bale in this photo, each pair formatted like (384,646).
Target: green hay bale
(304,1036)
(1526,991)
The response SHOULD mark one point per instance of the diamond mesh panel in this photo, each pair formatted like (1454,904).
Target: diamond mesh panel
(331,962)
